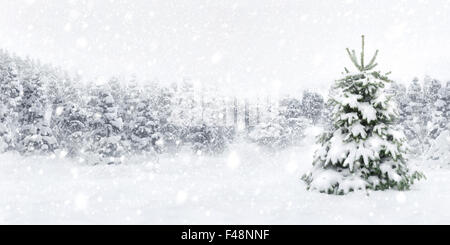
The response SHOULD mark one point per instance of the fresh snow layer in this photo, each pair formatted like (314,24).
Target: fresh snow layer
(244,186)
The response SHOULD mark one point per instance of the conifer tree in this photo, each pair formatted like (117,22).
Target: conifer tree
(417,117)
(312,104)
(167,135)
(142,136)
(362,150)
(446,98)
(437,102)
(35,134)
(401,99)
(104,142)
(11,92)
(128,111)
(72,126)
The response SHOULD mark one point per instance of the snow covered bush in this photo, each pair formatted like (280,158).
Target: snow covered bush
(270,134)
(362,150)
(312,105)
(170,136)
(285,129)
(208,139)
(295,129)
(441,112)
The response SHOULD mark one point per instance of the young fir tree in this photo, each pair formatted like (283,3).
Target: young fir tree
(362,150)
(417,117)
(272,134)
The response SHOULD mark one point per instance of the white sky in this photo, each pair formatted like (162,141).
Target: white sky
(246,45)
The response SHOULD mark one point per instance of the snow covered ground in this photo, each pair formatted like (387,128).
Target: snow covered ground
(245,186)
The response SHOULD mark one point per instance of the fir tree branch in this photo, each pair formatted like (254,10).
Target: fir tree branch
(370,67)
(372,61)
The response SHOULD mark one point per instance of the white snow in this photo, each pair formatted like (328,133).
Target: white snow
(216,57)
(187,189)
(233,160)
(82,43)
(367,111)
(357,129)
(59,110)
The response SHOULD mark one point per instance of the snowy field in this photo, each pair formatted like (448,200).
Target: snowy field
(245,186)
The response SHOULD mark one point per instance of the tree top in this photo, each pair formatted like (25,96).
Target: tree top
(360,65)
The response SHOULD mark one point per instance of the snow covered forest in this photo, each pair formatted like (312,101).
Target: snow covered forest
(45,111)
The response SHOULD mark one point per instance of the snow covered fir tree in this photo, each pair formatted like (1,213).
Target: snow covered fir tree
(363,149)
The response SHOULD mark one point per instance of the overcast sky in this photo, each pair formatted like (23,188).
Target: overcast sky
(240,44)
